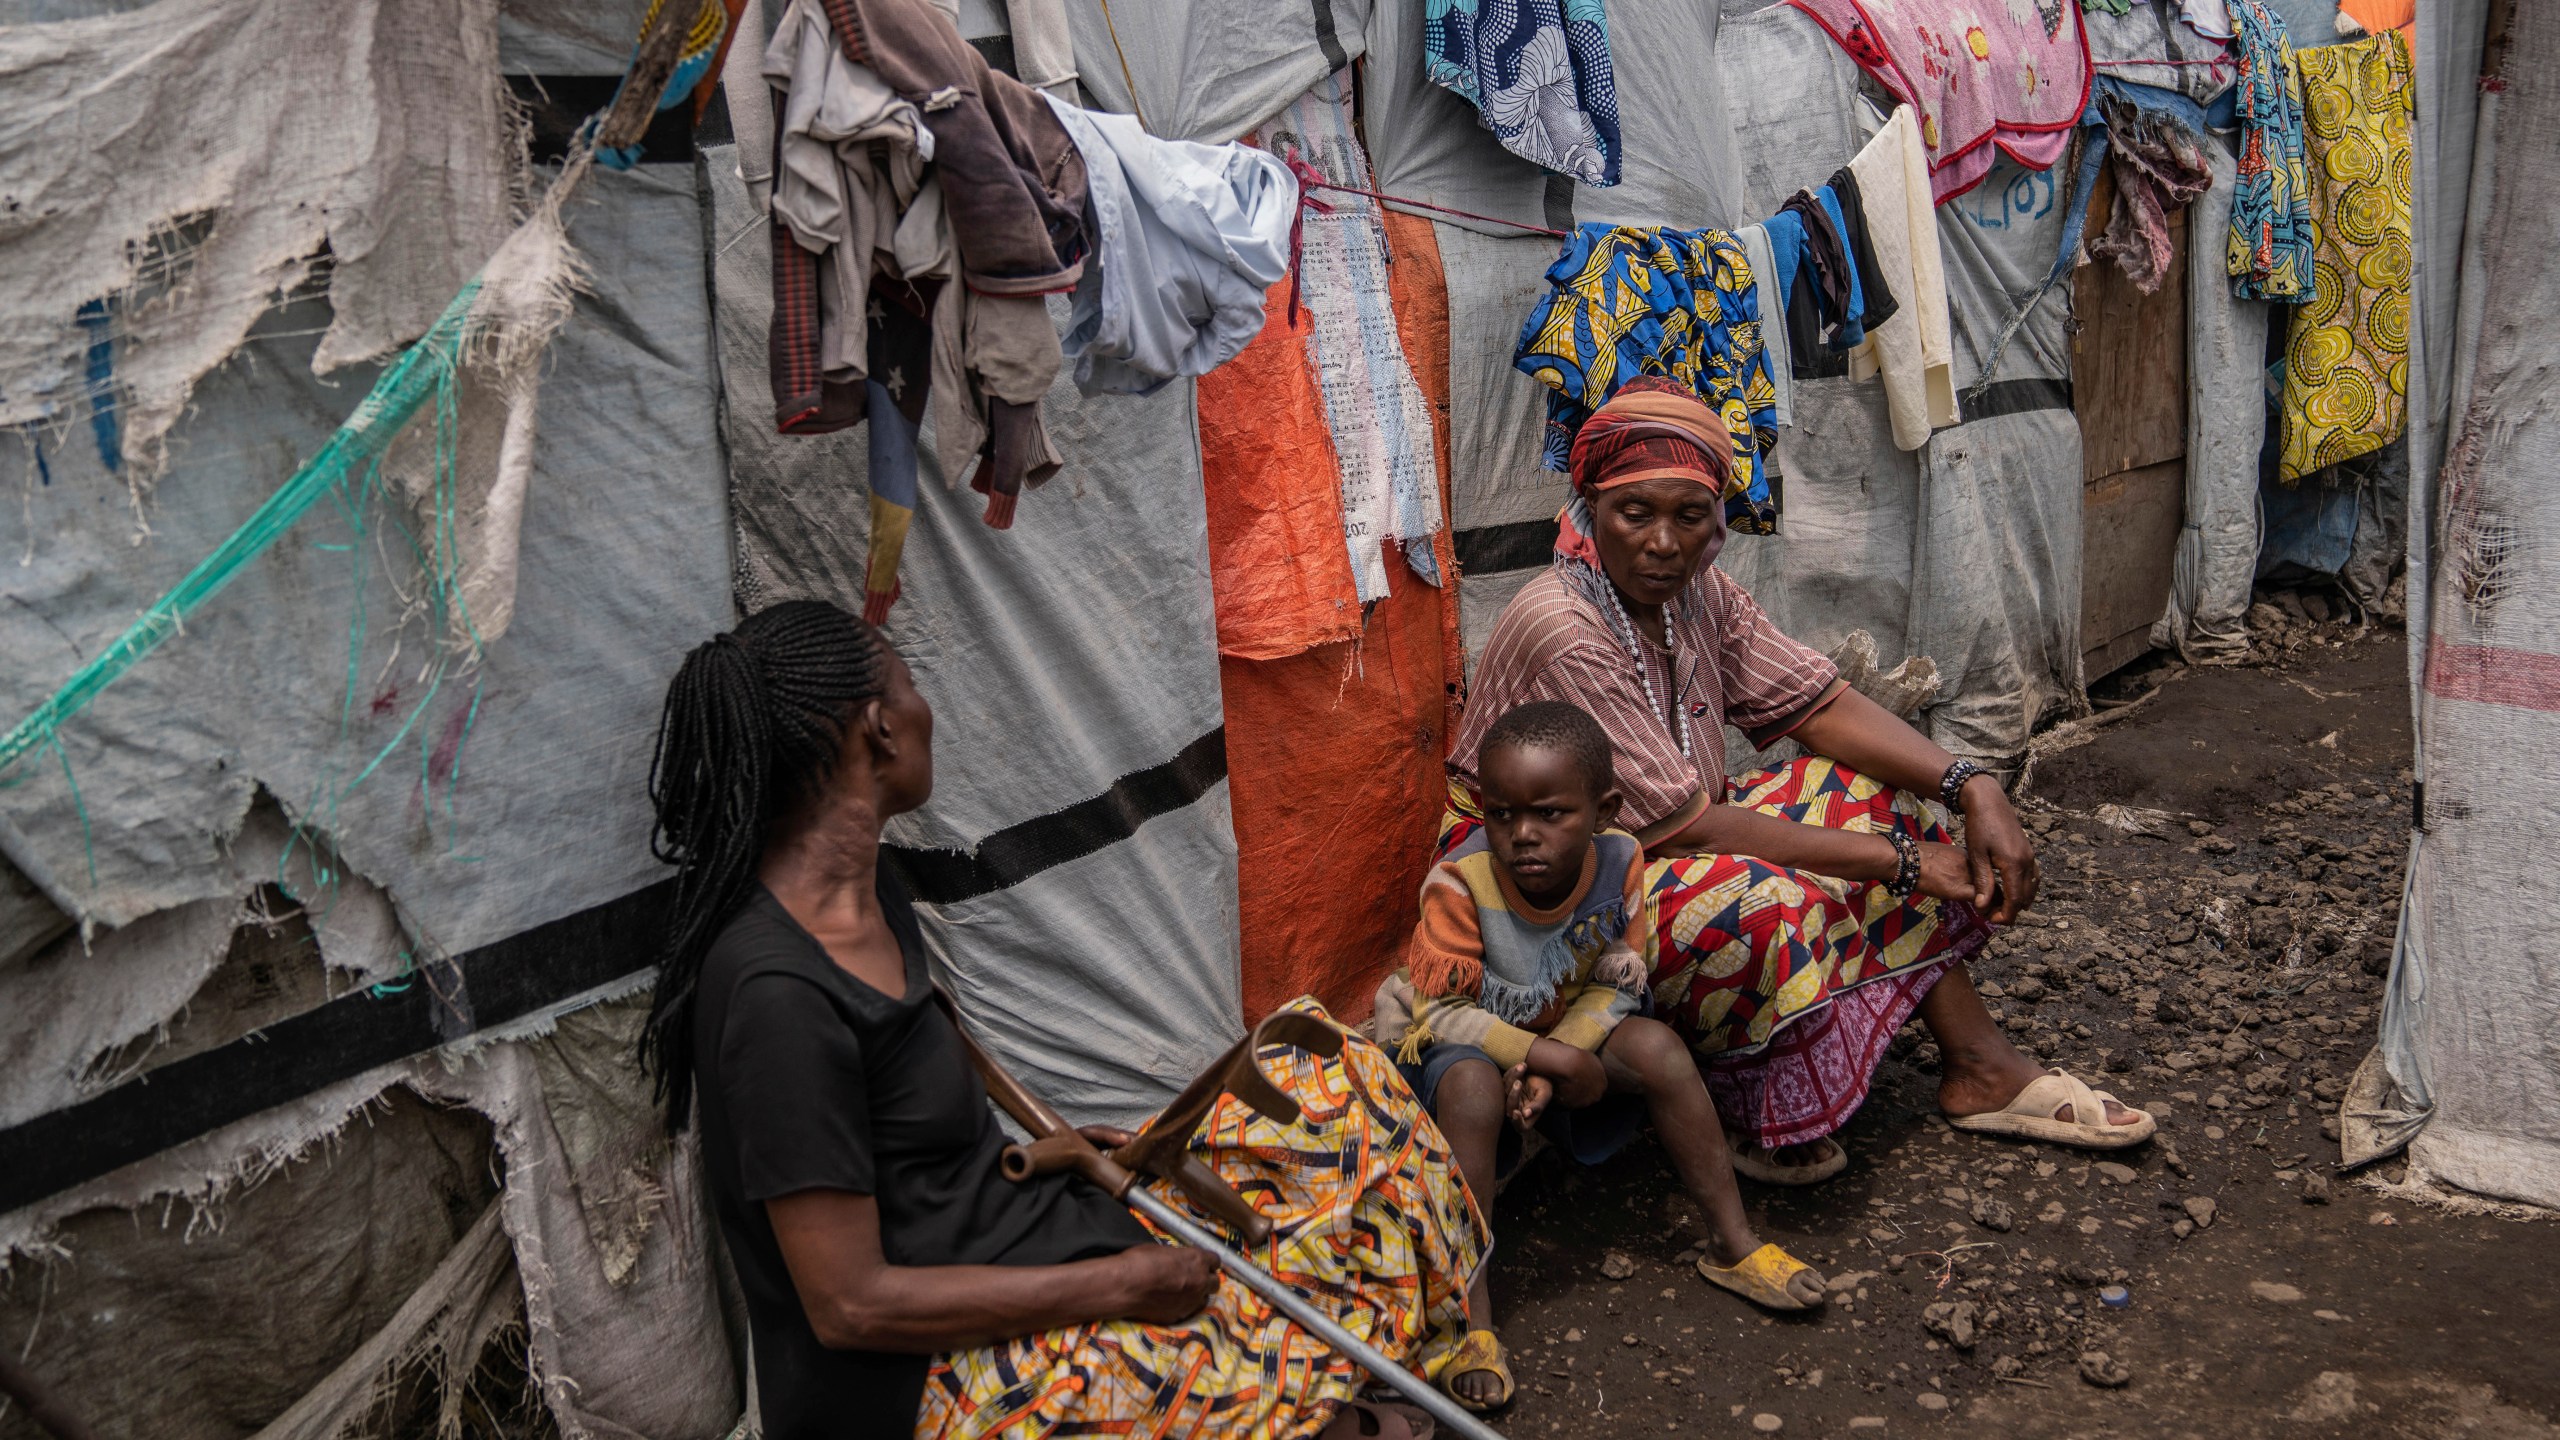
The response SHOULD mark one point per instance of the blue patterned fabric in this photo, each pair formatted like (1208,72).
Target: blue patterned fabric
(1624,301)
(1537,72)
(2270,248)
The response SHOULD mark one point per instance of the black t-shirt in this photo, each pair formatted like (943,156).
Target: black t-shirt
(812,1080)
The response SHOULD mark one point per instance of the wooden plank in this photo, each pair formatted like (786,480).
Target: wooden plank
(2129,526)
(2129,358)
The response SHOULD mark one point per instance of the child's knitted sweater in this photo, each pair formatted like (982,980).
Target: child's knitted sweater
(1488,969)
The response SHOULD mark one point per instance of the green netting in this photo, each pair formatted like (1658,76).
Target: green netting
(427,370)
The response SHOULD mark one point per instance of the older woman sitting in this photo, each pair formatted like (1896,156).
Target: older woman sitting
(1802,913)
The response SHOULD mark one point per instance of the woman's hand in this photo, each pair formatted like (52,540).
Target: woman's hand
(1165,1284)
(2005,876)
(1105,1138)
(1946,871)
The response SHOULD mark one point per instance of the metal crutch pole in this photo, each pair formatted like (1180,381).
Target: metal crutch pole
(1297,1307)
(1057,1145)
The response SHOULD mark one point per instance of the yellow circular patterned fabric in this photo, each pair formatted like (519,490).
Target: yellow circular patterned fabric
(2346,360)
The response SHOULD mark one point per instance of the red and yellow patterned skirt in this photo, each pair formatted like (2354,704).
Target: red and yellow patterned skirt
(1789,985)
(1371,1221)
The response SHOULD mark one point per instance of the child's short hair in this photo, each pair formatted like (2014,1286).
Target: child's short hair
(1554,725)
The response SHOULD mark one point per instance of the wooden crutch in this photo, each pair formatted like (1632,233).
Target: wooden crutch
(1164,1152)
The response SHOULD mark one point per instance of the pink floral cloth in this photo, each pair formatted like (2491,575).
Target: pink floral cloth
(1988,77)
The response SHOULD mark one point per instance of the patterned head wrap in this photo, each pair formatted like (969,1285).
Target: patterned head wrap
(1652,429)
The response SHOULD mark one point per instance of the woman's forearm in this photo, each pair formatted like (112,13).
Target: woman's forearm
(926,1310)
(1732,830)
(856,1300)
(1868,738)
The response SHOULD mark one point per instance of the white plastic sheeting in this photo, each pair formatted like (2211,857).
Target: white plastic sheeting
(172,199)
(492,810)
(1210,69)
(2466,1036)
(2226,426)
(1679,164)
(1076,865)
(611,1237)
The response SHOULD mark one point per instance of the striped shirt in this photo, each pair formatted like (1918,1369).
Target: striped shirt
(1726,665)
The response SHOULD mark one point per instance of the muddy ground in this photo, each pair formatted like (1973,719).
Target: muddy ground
(2219,964)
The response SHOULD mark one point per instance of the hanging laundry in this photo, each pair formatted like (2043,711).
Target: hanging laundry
(2151,46)
(1382,427)
(870,315)
(1808,311)
(1012,180)
(1190,236)
(1872,296)
(2346,382)
(849,158)
(1624,301)
(1537,72)
(1913,350)
(2160,166)
(1987,79)
(1769,301)
(2209,17)
(2107,7)
(1838,307)
(2372,17)
(2270,249)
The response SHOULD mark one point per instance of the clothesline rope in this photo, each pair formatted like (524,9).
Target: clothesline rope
(1310,179)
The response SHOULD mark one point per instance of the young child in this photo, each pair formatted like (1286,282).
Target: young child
(1521,997)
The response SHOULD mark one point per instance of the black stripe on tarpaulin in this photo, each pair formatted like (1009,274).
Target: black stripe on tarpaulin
(2016,397)
(1329,37)
(1018,852)
(1492,549)
(557,105)
(188,1098)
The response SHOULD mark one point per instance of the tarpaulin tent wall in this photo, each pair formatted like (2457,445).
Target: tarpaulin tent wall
(491,872)
(2466,1042)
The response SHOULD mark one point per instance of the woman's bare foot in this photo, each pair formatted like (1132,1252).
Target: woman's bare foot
(1978,1089)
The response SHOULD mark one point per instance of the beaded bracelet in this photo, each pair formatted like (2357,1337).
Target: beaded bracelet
(1951,786)
(1906,865)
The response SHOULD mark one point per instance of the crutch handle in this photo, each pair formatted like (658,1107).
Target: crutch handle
(1068,1150)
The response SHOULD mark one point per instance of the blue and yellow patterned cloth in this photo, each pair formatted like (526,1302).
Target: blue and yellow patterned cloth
(2270,246)
(1624,301)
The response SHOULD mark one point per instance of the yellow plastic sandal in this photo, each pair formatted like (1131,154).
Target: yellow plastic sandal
(1480,1353)
(1762,1276)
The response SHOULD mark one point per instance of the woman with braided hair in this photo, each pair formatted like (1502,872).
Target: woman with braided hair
(896,1283)
(1800,914)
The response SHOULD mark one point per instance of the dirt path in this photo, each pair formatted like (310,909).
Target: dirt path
(2223,969)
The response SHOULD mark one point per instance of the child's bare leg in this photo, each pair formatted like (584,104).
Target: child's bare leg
(1646,1057)
(1468,1107)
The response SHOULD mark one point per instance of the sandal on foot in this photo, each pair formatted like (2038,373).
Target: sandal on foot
(1480,1353)
(2030,1116)
(1761,1277)
(1752,1162)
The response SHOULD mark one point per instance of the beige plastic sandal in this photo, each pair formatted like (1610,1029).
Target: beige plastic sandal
(2030,1116)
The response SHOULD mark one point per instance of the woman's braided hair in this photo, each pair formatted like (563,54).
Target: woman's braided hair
(753,723)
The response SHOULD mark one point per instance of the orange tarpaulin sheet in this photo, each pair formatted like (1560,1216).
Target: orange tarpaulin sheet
(1276,557)
(1333,751)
